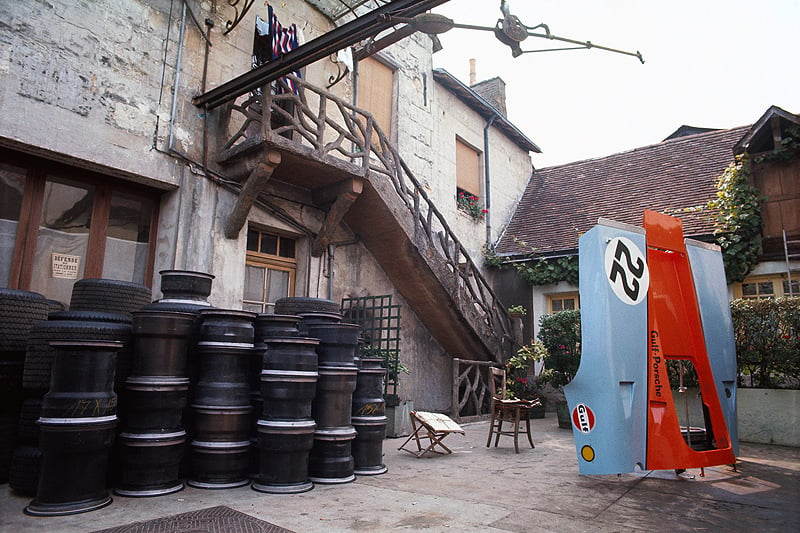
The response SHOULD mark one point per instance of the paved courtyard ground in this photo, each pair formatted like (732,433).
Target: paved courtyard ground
(489,490)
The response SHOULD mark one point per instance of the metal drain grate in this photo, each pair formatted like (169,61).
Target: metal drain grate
(219,519)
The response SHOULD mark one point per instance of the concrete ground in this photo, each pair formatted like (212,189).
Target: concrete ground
(490,489)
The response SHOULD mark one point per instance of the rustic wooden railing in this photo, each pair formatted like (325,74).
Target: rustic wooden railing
(470,390)
(318,124)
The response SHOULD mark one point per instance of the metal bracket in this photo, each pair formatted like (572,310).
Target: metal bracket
(246,5)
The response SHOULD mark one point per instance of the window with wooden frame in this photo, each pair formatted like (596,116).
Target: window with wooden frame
(270,269)
(375,90)
(468,176)
(767,287)
(59,224)
(567,301)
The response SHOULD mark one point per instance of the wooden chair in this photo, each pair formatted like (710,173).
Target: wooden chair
(505,410)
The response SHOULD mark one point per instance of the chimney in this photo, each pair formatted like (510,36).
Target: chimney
(493,91)
(472,72)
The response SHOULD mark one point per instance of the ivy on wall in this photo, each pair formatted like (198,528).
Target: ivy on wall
(544,271)
(738,225)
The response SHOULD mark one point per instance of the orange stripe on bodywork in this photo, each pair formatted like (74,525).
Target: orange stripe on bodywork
(675,331)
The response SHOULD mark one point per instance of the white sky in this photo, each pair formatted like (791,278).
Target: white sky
(708,63)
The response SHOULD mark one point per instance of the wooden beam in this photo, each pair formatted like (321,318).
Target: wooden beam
(252,187)
(342,194)
(775,123)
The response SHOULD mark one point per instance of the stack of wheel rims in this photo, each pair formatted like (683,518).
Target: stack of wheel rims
(369,417)
(288,385)
(100,309)
(331,459)
(77,429)
(221,406)
(152,442)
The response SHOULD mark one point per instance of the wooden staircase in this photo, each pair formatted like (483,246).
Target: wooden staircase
(316,141)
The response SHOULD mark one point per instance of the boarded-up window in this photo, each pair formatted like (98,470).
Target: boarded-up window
(468,169)
(780,185)
(375,87)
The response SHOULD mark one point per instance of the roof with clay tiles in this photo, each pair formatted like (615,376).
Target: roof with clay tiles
(562,202)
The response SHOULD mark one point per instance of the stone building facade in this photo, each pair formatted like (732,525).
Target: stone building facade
(106,161)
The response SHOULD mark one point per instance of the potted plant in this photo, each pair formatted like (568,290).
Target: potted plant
(560,333)
(517,311)
(521,380)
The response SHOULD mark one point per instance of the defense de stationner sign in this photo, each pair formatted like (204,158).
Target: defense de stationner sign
(65,266)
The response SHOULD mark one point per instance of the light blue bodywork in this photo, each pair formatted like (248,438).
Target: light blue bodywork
(612,378)
(708,273)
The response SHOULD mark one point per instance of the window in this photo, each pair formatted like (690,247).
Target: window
(563,302)
(270,269)
(375,88)
(760,288)
(12,186)
(59,224)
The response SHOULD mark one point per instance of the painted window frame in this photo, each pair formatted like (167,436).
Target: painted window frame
(37,172)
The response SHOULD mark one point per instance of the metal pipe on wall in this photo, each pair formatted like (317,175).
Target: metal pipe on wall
(487,196)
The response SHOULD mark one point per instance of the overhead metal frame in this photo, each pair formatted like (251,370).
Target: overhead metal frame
(367,25)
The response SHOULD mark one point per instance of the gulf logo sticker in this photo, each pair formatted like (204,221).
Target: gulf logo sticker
(583,418)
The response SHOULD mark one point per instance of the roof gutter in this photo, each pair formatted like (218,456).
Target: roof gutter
(487,201)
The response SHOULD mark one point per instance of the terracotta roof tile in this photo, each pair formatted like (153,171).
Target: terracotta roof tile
(560,203)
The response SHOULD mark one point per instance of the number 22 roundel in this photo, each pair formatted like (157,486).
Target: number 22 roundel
(626,270)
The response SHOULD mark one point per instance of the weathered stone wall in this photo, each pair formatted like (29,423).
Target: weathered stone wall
(509,171)
(95,84)
(428,384)
(83,79)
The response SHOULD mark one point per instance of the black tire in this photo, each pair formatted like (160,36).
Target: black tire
(54,306)
(28,429)
(8,440)
(91,316)
(23,475)
(19,311)
(176,307)
(39,356)
(10,387)
(108,295)
(294,305)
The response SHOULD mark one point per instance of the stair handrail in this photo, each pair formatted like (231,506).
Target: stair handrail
(351,135)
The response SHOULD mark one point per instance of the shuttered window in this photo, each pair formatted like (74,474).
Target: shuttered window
(375,89)
(468,169)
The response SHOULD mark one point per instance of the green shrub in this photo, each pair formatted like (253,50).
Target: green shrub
(561,335)
(767,336)
(766,333)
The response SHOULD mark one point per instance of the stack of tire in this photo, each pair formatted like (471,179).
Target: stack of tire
(152,443)
(100,310)
(221,405)
(285,427)
(330,460)
(19,312)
